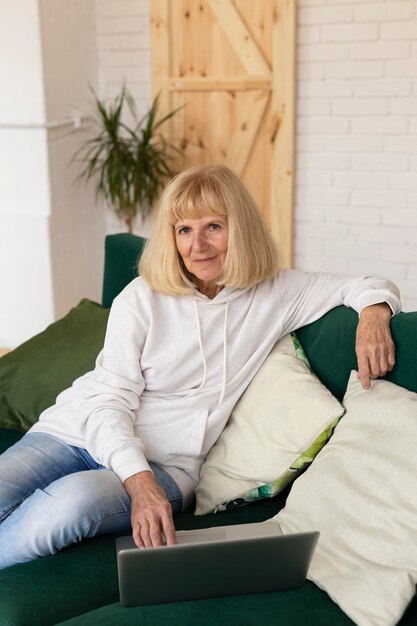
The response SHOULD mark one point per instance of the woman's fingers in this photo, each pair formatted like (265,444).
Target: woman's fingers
(155,532)
(169,529)
(141,534)
(153,527)
(151,516)
(375,348)
(391,356)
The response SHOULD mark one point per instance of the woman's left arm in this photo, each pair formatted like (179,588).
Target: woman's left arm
(305,297)
(375,348)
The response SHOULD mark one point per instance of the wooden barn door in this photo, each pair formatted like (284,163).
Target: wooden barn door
(231,65)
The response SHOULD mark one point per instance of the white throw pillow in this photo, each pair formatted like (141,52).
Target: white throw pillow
(361,494)
(276,429)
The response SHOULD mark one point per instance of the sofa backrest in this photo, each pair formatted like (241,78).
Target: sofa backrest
(330,346)
(121,254)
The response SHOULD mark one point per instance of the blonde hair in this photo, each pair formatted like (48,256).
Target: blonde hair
(196,192)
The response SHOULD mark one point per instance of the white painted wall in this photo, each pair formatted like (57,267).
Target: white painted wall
(25,270)
(51,234)
(77,223)
(356,183)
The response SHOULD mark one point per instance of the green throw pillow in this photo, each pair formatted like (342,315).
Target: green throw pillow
(34,374)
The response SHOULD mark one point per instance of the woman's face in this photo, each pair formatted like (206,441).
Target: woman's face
(202,244)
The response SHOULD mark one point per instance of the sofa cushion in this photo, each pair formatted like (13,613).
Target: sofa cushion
(32,375)
(281,422)
(296,607)
(83,577)
(8,438)
(361,494)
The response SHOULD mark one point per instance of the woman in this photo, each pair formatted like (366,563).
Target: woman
(123,446)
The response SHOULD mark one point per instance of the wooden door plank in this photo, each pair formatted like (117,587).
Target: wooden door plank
(222,59)
(177,69)
(246,131)
(219,83)
(160,35)
(241,40)
(283,114)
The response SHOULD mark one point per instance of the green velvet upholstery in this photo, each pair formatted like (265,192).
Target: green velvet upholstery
(83,577)
(78,586)
(122,252)
(330,347)
(298,607)
(8,438)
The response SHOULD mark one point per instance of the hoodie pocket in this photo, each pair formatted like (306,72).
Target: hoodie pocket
(171,430)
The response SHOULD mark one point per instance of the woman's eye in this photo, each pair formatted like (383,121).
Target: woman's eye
(184,230)
(214,226)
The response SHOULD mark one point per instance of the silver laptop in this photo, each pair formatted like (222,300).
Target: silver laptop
(213,562)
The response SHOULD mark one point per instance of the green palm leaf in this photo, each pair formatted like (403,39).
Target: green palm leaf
(128,165)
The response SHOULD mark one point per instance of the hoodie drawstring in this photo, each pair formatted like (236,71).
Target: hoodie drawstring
(200,343)
(224,381)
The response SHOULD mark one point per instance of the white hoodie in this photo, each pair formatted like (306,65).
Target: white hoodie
(172,368)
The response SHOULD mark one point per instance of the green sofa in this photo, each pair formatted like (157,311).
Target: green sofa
(79,585)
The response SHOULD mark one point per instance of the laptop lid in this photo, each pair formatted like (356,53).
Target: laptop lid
(214,562)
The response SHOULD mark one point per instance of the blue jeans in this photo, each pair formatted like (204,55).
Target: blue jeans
(53,494)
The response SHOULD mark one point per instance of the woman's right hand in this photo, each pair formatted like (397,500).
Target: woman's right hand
(151,513)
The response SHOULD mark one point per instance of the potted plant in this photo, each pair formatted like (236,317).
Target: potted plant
(129,165)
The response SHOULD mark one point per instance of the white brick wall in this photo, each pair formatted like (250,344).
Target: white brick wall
(356,169)
(124,52)
(124,48)
(359,61)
